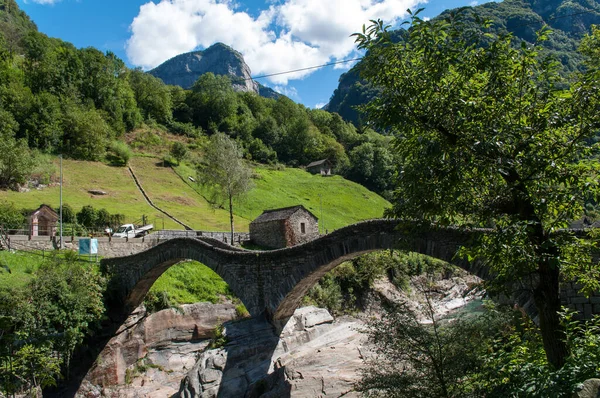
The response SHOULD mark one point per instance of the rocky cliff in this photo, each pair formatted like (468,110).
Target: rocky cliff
(184,69)
(169,353)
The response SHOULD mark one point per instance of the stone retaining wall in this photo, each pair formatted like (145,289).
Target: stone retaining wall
(114,247)
(571,297)
(119,247)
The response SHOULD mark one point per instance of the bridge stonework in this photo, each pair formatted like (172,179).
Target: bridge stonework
(274,282)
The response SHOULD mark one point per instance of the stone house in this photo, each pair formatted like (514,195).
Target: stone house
(323,167)
(42,222)
(284,227)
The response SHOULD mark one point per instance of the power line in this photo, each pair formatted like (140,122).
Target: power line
(303,69)
(358,59)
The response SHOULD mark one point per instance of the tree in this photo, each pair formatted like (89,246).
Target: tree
(10,216)
(212,101)
(223,172)
(85,132)
(153,97)
(16,163)
(484,138)
(178,151)
(87,216)
(416,359)
(43,323)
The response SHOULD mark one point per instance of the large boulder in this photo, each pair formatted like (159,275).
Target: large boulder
(311,356)
(590,389)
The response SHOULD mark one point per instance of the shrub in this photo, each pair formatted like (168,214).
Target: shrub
(116,220)
(147,139)
(178,151)
(516,365)
(10,216)
(68,214)
(220,339)
(157,301)
(120,153)
(87,216)
(345,287)
(186,129)
(421,360)
(102,218)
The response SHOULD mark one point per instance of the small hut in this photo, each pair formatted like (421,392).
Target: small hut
(42,222)
(323,167)
(284,227)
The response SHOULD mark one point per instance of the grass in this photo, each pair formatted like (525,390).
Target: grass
(24,264)
(343,202)
(170,193)
(340,202)
(191,282)
(22,268)
(123,196)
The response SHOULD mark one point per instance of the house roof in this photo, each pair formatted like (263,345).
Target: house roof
(46,209)
(318,163)
(280,214)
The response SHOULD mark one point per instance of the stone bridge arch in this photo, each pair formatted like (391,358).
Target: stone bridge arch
(274,282)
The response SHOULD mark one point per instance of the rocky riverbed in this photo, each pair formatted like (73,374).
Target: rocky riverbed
(169,353)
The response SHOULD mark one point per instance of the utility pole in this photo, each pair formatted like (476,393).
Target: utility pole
(321,223)
(61,205)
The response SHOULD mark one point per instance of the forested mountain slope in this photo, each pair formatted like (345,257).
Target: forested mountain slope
(569,19)
(86,105)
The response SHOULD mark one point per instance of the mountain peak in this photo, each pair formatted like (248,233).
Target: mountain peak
(184,69)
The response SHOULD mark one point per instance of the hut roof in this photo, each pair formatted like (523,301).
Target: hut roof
(318,163)
(47,210)
(280,214)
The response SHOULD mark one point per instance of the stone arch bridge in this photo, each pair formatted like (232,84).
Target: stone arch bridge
(274,282)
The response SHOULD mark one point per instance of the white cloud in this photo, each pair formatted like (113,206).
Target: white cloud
(320,105)
(473,3)
(289,35)
(288,91)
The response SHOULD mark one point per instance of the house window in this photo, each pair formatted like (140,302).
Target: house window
(302,227)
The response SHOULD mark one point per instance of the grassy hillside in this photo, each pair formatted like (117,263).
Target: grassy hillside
(17,269)
(171,194)
(79,177)
(343,202)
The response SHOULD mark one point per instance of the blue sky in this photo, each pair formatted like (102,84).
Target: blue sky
(273,35)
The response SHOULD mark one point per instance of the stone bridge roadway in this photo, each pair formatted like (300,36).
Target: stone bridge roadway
(274,282)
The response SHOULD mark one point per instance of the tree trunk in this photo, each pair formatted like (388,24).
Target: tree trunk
(547,300)
(231,217)
(546,294)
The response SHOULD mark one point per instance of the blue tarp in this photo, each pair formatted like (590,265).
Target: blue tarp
(88,246)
